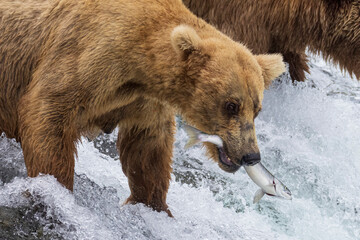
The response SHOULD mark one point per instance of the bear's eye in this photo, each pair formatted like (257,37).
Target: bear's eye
(232,108)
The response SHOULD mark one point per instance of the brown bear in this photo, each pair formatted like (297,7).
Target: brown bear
(331,27)
(72,67)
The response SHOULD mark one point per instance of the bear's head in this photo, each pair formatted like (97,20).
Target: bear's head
(225,84)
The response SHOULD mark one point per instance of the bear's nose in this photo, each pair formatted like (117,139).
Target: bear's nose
(251,159)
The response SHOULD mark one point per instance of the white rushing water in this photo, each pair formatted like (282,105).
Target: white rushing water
(308,134)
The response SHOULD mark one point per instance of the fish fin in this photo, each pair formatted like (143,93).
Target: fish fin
(191,143)
(258,195)
(193,134)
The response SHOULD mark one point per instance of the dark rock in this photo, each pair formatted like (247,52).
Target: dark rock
(24,223)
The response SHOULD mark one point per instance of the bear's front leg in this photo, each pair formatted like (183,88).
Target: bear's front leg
(48,138)
(297,64)
(145,149)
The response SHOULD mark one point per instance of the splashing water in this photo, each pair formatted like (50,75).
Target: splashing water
(308,133)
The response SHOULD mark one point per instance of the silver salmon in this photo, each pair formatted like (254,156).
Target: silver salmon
(268,184)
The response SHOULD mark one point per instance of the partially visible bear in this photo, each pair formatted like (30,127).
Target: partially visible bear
(330,27)
(72,67)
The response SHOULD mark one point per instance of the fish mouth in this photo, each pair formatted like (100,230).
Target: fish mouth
(287,194)
(288,197)
(225,162)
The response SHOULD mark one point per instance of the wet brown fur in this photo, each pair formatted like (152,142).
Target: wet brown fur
(330,27)
(69,68)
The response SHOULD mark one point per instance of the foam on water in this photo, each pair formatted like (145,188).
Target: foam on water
(309,137)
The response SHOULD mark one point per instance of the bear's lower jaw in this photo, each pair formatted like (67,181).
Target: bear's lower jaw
(225,162)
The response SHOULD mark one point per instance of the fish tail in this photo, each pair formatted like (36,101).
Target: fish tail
(258,195)
(193,134)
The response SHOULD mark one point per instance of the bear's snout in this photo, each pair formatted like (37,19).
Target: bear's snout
(249,159)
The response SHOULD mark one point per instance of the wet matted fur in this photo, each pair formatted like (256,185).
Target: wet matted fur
(331,27)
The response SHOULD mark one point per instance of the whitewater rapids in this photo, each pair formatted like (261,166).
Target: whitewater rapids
(308,135)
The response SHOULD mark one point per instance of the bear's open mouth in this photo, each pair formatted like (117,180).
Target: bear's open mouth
(226,162)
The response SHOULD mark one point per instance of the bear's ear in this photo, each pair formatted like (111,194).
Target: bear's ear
(185,40)
(272,66)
